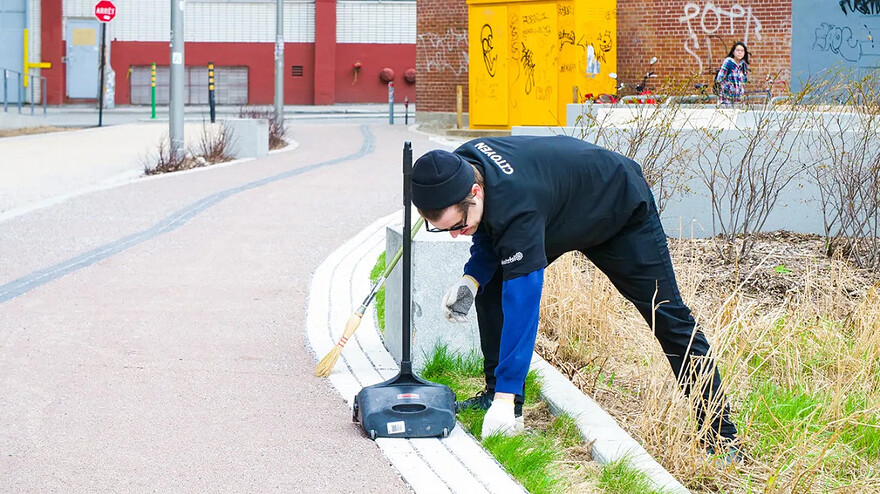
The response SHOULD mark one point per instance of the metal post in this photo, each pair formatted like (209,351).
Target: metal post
(279,61)
(43,90)
(32,95)
(5,83)
(406,260)
(153,90)
(101,87)
(20,93)
(406,110)
(391,102)
(177,71)
(459,103)
(211,90)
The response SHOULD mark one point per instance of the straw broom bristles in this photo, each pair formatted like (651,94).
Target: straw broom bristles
(325,366)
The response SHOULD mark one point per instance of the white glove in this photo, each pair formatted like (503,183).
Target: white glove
(459,298)
(499,419)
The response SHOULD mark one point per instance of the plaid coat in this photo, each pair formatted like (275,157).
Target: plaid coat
(732,78)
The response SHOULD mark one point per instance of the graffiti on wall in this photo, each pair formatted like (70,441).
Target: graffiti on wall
(842,41)
(829,36)
(445,52)
(487,44)
(708,21)
(528,59)
(597,51)
(865,7)
(852,39)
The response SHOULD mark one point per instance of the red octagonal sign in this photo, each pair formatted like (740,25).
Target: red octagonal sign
(105,11)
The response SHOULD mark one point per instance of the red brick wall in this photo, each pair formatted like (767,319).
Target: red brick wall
(441,54)
(665,29)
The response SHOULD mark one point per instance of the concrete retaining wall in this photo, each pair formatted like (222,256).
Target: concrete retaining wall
(701,130)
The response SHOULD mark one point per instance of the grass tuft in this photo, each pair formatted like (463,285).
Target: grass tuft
(530,459)
(548,457)
(379,302)
(566,431)
(620,477)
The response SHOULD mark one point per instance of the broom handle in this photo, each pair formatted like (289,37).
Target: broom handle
(388,268)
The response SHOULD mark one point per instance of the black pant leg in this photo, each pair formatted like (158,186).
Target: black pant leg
(637,262)
(490,318)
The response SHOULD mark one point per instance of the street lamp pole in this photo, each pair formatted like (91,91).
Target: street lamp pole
(175,113)
(279,61)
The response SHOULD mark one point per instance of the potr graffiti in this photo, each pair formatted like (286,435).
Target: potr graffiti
(711,19)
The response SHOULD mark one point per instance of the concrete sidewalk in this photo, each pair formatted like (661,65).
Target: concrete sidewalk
(40,169)
(151,333)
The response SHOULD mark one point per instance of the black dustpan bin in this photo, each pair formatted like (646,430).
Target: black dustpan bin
(406,405)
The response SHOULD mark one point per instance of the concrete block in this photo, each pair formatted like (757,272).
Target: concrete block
(437,262)
(250,137)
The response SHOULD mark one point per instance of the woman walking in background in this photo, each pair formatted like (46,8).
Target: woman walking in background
(733,75)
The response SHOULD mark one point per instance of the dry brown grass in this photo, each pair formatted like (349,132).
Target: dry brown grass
(28,131)
(785,316)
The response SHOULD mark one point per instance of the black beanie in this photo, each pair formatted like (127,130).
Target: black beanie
(440,179)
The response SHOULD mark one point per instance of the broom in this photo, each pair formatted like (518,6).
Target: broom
(325,366)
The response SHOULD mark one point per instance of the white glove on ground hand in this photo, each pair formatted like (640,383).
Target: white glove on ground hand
(499,419)
(459,298)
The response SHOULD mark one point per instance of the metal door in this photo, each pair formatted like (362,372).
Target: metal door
(83,58)
(12,24)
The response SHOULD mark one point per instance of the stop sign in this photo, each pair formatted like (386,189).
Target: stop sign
(105,11)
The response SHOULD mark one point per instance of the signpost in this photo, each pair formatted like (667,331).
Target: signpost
(105,11)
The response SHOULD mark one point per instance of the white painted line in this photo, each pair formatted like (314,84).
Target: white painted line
(409,463)
(457,478)
(482,465)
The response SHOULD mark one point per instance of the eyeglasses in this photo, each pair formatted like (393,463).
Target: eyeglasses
(459,227)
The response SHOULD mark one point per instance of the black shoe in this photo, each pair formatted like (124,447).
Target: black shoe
(725,454)
(483,400)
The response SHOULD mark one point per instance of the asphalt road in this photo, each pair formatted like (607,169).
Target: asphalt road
(151,333)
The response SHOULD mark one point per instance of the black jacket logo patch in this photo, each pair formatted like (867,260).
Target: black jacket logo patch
(512,259)
(495,157)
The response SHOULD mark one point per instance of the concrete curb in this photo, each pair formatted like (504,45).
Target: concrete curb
(458,463)
(610,442)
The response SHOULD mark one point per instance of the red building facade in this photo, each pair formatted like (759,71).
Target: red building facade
(335,52)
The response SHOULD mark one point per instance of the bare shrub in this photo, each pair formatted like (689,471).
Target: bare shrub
(848,177)
(214,145)
(277,130)
(654,138)
(746,168)
(164,160)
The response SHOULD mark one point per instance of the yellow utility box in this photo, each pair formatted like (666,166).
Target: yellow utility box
(528,59)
